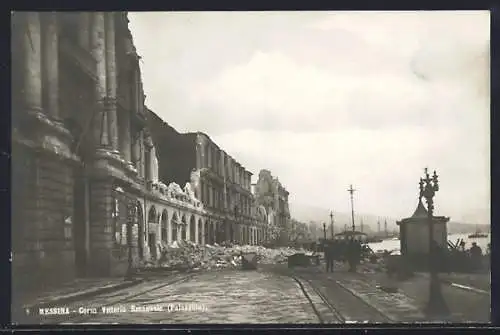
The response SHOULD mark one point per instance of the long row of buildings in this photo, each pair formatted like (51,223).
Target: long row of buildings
(99,182)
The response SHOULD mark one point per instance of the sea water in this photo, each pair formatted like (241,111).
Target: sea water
(391,244)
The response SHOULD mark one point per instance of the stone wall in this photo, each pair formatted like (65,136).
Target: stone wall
(42,219)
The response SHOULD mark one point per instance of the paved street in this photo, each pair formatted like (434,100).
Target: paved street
(357,300)
(269,295)
(215,297)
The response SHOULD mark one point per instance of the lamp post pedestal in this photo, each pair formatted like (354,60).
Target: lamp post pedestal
(436,308)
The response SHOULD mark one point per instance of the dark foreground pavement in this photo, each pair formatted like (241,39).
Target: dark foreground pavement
(272,294)
(211,297)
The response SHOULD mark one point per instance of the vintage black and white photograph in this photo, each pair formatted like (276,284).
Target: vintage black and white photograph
(280,167)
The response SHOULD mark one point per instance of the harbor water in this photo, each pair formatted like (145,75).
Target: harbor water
(394,244)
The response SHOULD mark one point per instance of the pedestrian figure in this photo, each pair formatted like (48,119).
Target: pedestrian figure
(351,255)
(327,256)
(330,258)
(476,255)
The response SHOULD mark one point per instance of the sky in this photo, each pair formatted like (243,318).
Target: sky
(329,99)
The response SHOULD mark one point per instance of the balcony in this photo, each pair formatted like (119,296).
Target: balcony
(79,56)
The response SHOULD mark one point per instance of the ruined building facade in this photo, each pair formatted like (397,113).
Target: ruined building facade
(85,169)
(272,196)
(219,181)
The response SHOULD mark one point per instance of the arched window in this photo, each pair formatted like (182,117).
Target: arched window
(152,217)
(200,232)
(206,231)
(119,217)
(116,221)
(139,227)
(164,226)
(183,228)
(174,223)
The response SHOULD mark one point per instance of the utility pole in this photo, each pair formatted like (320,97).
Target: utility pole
(332,221)
(351,191)
(385,228)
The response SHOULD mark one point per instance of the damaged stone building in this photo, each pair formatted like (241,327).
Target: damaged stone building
(272,197)
(86,199)
(220,182)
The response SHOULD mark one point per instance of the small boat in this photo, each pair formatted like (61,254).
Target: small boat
(478,234)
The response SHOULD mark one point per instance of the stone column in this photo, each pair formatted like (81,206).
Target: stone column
(111,80)
(142,154)
(169,230)
(203,237)
(33,63)
(137,152)
(125,139)
(203,154)
(154,165)
(196,232)
(188,230)
(99,52)
(140,92)
(199,148)
(83,30)
(209,153)
(51,64)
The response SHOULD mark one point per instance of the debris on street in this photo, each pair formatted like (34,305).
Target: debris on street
(187,255)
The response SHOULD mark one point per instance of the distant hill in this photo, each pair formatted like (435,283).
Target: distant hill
(462,228)
(319,215)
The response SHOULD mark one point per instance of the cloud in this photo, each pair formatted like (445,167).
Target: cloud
(326,99)
(273,91)
(386,171)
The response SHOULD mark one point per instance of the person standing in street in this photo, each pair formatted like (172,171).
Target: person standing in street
(476,255)
(330,250)
(353,254)
(326,250)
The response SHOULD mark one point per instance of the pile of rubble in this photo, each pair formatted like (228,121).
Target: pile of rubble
(187,255)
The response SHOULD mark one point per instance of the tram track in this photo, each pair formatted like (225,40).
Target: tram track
(324,300)
(341,308)
(337,304)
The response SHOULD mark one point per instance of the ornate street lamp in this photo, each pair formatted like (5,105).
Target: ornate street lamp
(436,305)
